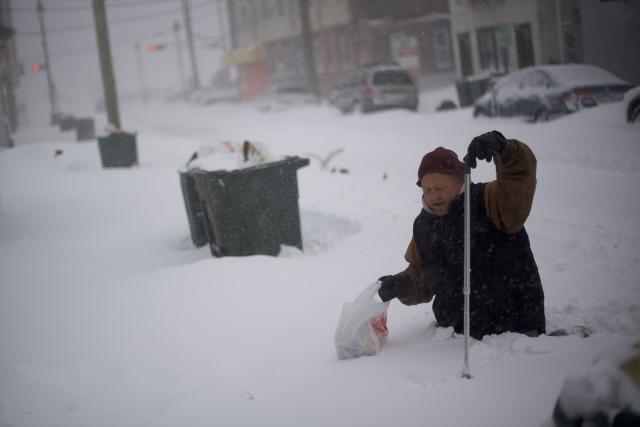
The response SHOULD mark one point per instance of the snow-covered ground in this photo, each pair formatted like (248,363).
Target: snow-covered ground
(110,317)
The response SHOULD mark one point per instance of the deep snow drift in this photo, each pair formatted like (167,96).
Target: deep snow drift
(109,316)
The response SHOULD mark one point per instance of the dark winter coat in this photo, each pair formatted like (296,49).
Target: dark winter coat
(506,292)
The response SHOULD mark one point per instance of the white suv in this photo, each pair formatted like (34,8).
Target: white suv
(376,87)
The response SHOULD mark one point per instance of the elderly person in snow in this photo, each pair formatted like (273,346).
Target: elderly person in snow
(506,292)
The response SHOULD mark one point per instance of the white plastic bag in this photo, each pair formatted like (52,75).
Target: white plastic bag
(362,328)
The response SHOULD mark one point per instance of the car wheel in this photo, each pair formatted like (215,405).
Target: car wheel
(541,115)
(366,106)
(634,113)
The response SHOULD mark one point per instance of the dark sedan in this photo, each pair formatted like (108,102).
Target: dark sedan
(545,92)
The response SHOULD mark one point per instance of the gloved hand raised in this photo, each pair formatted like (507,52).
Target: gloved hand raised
(396,286)
(483,147)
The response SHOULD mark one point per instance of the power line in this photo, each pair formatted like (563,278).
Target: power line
(115,44)
(86,6)
(116,22)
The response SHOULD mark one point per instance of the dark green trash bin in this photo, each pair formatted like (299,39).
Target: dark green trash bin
(85,129)
(464,93)
(195,210)
(252,211)
(471,88)
(118,150)
(66,123)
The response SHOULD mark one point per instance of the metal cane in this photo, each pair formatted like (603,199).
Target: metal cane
(466,371)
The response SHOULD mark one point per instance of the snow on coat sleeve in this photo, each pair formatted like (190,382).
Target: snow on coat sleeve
(508,199)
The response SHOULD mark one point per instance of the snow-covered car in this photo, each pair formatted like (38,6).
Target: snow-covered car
(545,92)
(284,97)
(376,87)
(632,105)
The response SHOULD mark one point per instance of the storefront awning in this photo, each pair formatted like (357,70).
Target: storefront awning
(243,56)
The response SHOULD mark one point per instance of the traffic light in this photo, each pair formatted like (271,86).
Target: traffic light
(156,47)
(36,68)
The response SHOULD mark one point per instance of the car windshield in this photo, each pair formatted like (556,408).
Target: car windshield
(392,77)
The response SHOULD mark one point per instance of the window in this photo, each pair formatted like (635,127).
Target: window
(330,51)
(267,9)
(441,48)
(537,79)
(302,69)
(392,77)
(244,16)
(253,14)
(464,47)
(290,56)
(487,48)
(524,45)
(344,50)
(317,57)
(272,59)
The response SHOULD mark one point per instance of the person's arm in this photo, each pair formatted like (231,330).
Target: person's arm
(409,286)
(508,199)
(419,290)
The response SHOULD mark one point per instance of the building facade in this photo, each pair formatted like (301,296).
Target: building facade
(346,34)
(498,36)
(611,31)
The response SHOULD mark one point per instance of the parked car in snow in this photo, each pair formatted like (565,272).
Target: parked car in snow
(544,92)
(632,105)
(284,97)
(376,87)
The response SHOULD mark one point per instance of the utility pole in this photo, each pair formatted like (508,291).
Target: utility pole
(106,67)
(53,101)
(232,25)
(143,90)
(6,86)
(221,23)
(192,53)
(5,121)
(176,32)
(559,30)
(312,78)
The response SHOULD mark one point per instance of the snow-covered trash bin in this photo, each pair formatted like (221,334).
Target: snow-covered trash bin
(85,129)
(194,208)
(66,123)
(362,328)
(118,149)
(251,210)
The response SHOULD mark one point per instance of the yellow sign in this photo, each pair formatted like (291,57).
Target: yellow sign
(243,56)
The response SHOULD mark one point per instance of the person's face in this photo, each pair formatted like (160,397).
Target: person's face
(439,190)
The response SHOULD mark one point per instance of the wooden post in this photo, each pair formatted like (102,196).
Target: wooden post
(106,66)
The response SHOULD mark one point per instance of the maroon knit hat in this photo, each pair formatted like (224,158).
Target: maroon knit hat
(440,160)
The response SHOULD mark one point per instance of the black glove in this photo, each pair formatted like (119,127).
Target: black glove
(484,147)
(396,286)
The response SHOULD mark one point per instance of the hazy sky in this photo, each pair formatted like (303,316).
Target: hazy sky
(73,54)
